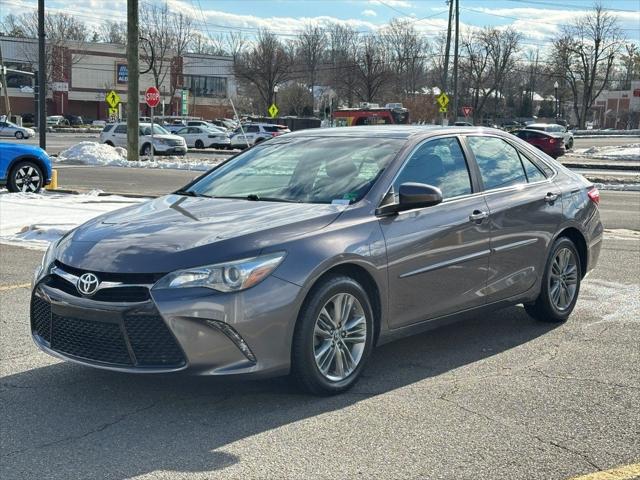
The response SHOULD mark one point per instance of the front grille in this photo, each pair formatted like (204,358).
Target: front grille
(41,318)
(130,278)
(151,341)
(174,143)
(97,341)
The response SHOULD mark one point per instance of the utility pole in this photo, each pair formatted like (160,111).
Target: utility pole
(133,89)
(5,89)
(42,79)
(456,105)
(445,77)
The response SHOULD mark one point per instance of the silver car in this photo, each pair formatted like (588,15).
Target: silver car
(301,254)
(9,129)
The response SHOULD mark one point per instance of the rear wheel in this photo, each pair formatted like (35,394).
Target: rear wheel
(333,337)
(109,143)
(560,284)
(146,149)
(570,144)
(199,144)
(25,177)
(19,135)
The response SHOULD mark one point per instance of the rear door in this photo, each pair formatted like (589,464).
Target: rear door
(524,213)
(119,135)
(437,256)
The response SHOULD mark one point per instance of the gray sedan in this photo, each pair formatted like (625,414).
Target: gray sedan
(301,254)
(9,129)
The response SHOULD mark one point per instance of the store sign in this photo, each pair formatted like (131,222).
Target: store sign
(60,86)
(185,102)
(122,73)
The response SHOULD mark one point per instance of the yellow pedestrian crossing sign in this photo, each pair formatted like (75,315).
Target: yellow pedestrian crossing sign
(443,100)
(112,99)
(273,110)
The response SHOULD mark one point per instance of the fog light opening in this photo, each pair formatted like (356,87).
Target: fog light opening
(239,342)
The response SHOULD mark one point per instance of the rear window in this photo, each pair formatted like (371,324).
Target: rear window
(108,127)
(274,128)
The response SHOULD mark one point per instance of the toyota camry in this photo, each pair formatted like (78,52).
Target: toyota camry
(301,254)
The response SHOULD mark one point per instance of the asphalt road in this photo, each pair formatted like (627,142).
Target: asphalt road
(56,142)
(498,397)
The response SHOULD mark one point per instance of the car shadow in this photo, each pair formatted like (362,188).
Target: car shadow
(69,421)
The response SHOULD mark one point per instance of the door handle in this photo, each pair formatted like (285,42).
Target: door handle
(551,197)
(477,216)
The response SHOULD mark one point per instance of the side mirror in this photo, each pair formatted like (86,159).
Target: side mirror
(412,195)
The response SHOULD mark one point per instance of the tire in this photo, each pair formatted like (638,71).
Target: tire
(25,176)
(307,344)
(570,144)
(199,144)
(146,149)
(109,143)
(546,308)
(19,135)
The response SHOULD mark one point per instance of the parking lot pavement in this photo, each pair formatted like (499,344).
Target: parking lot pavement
(490,398)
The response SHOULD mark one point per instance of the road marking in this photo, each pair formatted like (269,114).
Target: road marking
(4,288)
(628,472)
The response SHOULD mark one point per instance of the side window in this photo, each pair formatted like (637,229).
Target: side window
(440,163)
(499,162)
(533,172)
(253,129)
(120,129)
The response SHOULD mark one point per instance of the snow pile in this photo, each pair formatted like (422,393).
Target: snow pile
(33,220)
(93,153)
(620,152)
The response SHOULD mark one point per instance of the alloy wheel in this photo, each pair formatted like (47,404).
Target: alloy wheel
(19,135)
(27,179)
(339,337)
(563,279)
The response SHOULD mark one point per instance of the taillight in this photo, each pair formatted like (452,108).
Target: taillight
(552,140)
(594,195)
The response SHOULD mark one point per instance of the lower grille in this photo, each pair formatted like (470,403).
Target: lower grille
(41,318)
(97,341)
(152,344)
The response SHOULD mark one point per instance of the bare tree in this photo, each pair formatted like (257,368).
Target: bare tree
(113,32)
(372,68)
(343,51)
(265,65)
(584,55)
(166,35)
(310,48)
(407,49)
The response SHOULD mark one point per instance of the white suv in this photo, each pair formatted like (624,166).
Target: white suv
(115,134)
(254,133)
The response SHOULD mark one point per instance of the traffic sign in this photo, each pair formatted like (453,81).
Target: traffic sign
(467,111)
(113,112)
(152,97)
(273,110)
(184,95)
(443,109)
(112,99)
(443,100)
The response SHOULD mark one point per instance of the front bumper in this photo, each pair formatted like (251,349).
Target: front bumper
(170,150)
(198,331)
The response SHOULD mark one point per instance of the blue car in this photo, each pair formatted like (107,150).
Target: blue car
(24,168)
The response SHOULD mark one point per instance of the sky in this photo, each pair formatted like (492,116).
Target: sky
(537,20)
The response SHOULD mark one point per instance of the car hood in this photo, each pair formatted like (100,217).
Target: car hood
(174,232)
(165,136)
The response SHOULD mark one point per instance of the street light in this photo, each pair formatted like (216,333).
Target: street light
(555,96)
(275,94)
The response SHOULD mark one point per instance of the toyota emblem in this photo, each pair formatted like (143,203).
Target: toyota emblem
(87,284)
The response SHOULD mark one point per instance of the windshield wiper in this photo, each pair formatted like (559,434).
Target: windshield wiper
(256,198)
(190,193)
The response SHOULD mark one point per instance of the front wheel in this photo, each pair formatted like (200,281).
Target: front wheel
(25,177)
(199,144)
(560,284)
(333,337)
(19,135)
(146,149)
(570,144)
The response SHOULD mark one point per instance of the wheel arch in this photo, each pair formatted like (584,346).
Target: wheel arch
(27,158)
(578,239)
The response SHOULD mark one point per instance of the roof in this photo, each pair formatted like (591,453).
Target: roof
(386,131)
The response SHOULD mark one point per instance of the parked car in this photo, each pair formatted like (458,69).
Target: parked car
(165,143)
(550,143)
(300,255)
(10,129)
(462,124)
(24,168)
(201,137)
(251,133)
(56,120)
(98,123)
(74,120)
(556,129)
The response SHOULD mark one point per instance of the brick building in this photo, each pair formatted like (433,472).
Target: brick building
(82,74)
(618,109)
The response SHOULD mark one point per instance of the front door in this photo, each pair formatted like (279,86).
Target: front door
(437,256)
(525,211)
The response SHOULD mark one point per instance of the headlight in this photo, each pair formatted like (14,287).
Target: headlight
(224,277)
(45,263)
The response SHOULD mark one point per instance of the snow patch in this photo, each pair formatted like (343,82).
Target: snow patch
(34,220)
(619,152)
(93,153)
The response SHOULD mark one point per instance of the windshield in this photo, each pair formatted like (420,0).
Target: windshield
(157,130)
(303,169)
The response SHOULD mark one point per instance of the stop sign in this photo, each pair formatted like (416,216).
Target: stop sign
(152,97)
